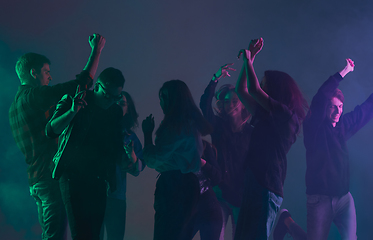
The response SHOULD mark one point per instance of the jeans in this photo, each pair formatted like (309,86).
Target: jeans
(85,202)
(321,212)
(258,211)
(51,211)
(115,219)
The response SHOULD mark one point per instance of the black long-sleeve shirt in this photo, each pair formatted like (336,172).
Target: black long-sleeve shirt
(326,149)
(232,148)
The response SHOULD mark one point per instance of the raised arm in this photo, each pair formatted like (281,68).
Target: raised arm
(321,99)
(208,95)
(349,68)
(97,43)
(248,88)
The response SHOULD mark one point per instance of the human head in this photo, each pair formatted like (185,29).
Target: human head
(338,94)
(108,87)
(33,69)
(228,103)
(281,87)
(335,107)
(179,107)
(130,115)
(175,97)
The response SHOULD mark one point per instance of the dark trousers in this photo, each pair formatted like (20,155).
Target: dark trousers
(175,200)
(115,219)
(208,219)
(85,202)
(51,212)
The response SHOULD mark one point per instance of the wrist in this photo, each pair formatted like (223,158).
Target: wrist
(344,72)
(214,78)
(96,50)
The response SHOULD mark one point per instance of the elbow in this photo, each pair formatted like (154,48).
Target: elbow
(49,131)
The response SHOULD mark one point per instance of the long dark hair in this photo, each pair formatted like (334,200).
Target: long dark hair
(281,87)
(130,118)
(181,112)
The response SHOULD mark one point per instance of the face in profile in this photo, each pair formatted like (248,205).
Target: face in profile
(232,104)
(334,110)
(106,96)
(43,77)
(123,104)
(263,84)
(163,100)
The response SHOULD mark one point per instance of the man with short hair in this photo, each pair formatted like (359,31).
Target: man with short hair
(90,145)
(326,131)
(28,115)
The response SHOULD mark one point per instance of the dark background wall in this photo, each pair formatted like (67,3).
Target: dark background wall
(155,41)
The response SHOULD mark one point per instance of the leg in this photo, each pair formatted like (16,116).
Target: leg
(345,217)
(209,219)
(85,202)
(51,211)
(319,217)
(286,224)
(274,204)
(174,204)
(258,211)
(225,212)
(234,218)
(115,218)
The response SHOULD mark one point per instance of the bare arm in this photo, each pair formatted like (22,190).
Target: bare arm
(349,68)
(253,85)
(243,94)
(97,43)
(248,87)
(148,128)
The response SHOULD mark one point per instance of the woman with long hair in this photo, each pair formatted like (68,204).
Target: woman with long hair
(231,136)
(176,155)
(278,108)
(115,214)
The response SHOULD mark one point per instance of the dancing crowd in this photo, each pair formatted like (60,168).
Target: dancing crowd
(80,143)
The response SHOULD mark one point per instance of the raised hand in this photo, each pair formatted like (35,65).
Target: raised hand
(129,149)
(350,66)
(148,124)
(97,41)
(78,100)
(223,71)
(255,47)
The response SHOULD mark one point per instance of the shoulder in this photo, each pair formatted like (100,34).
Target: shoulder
(280,111)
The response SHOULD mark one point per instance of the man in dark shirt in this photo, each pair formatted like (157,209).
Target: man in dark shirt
(90,146)
(28,115)
(326,131)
